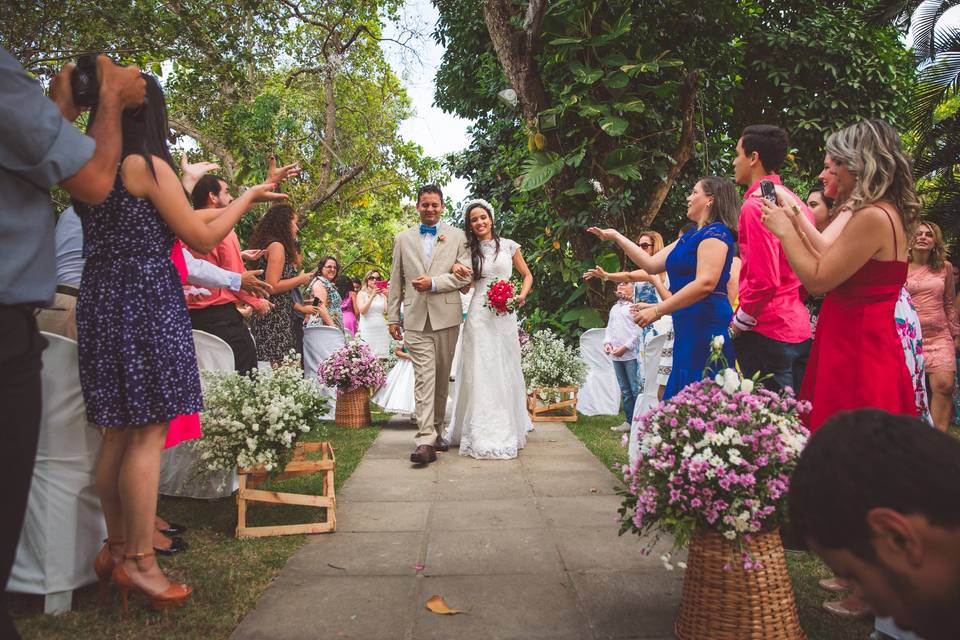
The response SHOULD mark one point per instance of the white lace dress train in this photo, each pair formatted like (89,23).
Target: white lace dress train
(490,417)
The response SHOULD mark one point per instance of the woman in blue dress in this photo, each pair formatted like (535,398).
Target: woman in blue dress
(698,267)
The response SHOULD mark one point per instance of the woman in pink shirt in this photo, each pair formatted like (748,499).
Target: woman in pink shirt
(931,285)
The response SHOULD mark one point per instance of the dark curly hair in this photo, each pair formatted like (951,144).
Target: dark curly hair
(274,226)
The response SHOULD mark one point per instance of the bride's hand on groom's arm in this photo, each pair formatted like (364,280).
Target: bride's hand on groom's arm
(461,271)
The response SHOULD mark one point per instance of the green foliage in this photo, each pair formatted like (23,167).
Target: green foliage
(613,74)
(934,114)
(245,80)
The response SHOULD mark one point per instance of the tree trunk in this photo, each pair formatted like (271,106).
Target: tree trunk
(516,49)
(683,152)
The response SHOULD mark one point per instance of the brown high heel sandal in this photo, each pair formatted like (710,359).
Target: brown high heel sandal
(103,565)
(171,598)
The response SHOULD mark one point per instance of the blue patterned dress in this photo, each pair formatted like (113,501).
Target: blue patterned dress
(137,361)
(695,326)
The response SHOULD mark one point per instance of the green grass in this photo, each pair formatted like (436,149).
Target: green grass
(805,568)
(228,575)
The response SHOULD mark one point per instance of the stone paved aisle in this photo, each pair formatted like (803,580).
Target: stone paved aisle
(528,546)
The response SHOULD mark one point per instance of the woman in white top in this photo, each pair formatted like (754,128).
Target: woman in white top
(371,305)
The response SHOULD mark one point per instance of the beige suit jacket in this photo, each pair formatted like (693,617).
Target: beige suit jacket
(442,306)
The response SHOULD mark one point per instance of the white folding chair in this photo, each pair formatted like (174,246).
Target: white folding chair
(64,527)
(318,344)
(181,470)
(600,394)
(652,350)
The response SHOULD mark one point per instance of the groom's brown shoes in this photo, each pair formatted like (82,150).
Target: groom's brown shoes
(424,454)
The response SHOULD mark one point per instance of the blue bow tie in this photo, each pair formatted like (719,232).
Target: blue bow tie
(425,229)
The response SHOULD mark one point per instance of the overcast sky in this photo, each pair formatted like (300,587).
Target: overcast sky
(437,132)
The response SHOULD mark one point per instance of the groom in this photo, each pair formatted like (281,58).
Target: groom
(421,279)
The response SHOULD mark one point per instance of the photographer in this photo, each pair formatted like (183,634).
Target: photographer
(39,149)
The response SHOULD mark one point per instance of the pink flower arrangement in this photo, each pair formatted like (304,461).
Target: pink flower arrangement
(352,366)
(716,457)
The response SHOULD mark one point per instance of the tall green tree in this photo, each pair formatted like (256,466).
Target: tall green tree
(622,104)
(934,113)
(304,80)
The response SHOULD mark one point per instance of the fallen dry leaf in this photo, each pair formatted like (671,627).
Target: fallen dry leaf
(593,490)
(437,605)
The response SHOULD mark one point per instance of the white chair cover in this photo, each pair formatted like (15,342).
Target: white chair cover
(318,344)
(64,527)
(648,399)
(181,470)
(600,394)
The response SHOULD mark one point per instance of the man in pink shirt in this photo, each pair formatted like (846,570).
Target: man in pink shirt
(771,327)
(217,313)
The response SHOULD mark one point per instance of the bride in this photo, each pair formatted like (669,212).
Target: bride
(490,417)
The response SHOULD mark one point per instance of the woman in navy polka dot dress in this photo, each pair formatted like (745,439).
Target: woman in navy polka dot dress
(138,369)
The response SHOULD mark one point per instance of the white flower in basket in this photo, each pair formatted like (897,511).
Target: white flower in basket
(255,420)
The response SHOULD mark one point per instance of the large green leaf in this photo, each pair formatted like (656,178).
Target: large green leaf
(633,106)
(617,80)
(580,187)
(613,126)
(586,317)
(623,163)
(585,74)
(540,169)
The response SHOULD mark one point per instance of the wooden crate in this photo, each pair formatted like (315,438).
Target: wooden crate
(564,410)
(299,465)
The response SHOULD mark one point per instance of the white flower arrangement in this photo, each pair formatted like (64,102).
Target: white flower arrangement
(547,363)
(255,420)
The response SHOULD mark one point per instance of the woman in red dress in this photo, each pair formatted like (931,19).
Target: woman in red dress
(857,357)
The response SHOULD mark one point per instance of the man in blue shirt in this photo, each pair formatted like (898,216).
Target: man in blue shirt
(39,148)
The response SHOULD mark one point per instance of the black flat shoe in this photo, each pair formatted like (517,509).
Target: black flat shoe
(176,546)
(173,529)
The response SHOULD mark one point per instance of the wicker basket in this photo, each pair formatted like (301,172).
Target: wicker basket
(353,409)
(737,604)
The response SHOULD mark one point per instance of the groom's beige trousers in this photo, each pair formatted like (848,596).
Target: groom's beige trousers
(431,352)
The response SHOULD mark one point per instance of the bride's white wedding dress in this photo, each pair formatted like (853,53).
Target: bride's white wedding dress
(490,417)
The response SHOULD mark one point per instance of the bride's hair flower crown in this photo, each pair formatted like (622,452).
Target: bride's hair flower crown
(475,202)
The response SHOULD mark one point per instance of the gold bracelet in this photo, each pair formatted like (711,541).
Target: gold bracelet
(656,310)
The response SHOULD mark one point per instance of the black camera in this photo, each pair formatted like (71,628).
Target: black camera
(84,81)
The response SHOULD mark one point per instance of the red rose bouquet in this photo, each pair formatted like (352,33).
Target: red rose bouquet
(502,297)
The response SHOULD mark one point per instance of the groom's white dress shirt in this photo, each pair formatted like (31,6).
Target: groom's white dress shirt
(429,241)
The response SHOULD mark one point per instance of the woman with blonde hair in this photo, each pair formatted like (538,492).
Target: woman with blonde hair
(371,306)
(647,288)
(857,357)
(931,285)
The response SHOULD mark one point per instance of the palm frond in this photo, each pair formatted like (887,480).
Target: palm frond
(923,24)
